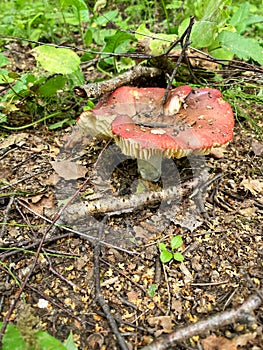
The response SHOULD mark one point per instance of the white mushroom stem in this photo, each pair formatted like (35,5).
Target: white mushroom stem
(151,168)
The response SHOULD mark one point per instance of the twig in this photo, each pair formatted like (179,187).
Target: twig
(184,42)
(8,208)
(242,313)
(79,233)
(104,87)
(100,298)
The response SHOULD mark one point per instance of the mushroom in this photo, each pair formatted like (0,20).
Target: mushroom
(191,121)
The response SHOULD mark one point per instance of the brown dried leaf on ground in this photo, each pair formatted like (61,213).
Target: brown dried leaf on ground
(161,321)
(220,343)
(253,185)
(39,202)
(69,170)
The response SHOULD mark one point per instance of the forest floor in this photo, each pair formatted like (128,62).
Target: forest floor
(220,220)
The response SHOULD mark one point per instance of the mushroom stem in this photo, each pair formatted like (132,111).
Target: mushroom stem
(151,168)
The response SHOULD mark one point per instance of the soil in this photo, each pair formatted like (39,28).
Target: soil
(219,219)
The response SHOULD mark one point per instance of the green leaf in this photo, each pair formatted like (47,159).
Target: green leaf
(13,339)
(107,17)
(47,342)
(4,77)
(203,32)
(165,256)
(176,242)
(52,85)
(162,246)
(57,60)
(79,4)
(178,257)
(243,48)
(239,19)
(113,41)
(158,43)
(69,343)
(152,289)
(3,60)
(3,118)
(88,37)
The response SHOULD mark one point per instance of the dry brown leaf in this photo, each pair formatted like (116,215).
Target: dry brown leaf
(69,170)
(164,321)
(220,343)
(14,139)
(133,297)
(95,341)
(257,148)
(39,202)
(253,185)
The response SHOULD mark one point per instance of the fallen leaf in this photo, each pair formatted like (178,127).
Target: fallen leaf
(253,185)
(39,202)
(14,139)
(133,297)
(257,148)
(220,343)
(69,170)
(95,341)
(164,321)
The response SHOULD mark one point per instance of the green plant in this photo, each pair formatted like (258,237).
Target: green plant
(33,340)
(167,255)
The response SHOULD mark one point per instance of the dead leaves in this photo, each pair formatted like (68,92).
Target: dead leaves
(69,170)
(220,343)
(255,186)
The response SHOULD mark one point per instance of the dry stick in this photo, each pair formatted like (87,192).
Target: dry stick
(82,234)
(8,208)
(242,313)
(100,298)
(184,42)
(104,87)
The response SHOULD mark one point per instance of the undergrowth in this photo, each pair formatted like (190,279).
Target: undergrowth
(42,92)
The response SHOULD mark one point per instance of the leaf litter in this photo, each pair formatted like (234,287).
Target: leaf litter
(216,247)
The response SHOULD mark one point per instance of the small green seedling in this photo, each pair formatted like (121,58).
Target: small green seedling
(166,255)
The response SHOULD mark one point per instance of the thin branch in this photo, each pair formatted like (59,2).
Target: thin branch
(242,313)
(100,298)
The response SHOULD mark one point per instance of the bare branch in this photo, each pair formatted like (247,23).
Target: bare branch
(104,87)
(242,313)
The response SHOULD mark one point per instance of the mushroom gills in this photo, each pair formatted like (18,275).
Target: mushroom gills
(151,168)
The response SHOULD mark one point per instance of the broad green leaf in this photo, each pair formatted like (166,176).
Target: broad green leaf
(176,242)
(3,60)
(203,32)
(221,54)
(240,46)
(178,257)
(107,17)
(52,85)
(69,343)
(47,342)
(13,339)
(239,19)
(165,256)
(57,60)
(112,42)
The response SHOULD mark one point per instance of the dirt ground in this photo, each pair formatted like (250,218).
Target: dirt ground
(219,219)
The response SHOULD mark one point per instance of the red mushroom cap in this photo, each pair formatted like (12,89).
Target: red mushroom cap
(204,121)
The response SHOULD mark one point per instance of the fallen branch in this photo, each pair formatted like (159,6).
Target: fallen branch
(104,87)
(242,314)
